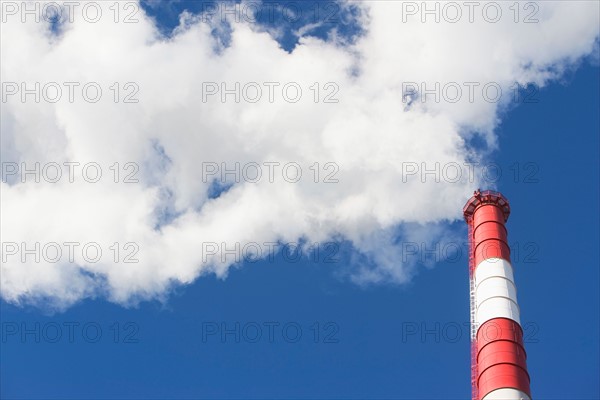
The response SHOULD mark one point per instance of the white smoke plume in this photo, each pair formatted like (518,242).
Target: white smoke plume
(372,137)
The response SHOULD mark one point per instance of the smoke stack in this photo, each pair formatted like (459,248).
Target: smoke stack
(498,359)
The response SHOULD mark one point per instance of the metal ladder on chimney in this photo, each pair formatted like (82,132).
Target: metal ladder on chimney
(473,309)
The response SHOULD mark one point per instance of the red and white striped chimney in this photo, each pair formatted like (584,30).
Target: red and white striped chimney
(498,359)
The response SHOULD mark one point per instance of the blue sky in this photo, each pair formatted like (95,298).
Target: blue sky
(558,294)
(380,341)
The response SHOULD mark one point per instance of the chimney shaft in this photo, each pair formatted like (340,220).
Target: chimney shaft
(498,358)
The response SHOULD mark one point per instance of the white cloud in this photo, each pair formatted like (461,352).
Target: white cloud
(370,134)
